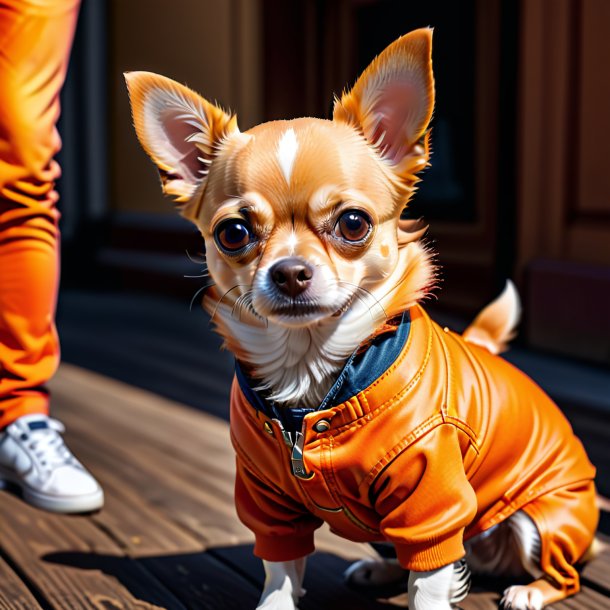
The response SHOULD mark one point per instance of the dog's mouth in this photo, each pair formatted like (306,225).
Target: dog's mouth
(305,311)
(312,296)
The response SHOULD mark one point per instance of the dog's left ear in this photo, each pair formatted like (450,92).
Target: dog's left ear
(392,103)
(181,132)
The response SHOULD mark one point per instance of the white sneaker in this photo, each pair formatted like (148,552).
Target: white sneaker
(33,457)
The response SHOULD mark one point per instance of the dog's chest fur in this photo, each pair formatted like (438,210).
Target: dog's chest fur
(297,366)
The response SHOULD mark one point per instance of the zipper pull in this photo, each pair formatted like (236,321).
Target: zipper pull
(296,447)
(285,434)
(298,467)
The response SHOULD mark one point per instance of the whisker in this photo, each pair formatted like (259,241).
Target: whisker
(222,297)
(204,274)
(238,306)
(368,307)
(202,261)
(250,306)
(204,287)
(244,302)
(395,287)
(368,293)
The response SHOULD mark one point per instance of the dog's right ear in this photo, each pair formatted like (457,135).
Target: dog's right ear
(179,130)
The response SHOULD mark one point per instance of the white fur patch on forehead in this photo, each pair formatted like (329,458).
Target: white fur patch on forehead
(286,153)
(292,241)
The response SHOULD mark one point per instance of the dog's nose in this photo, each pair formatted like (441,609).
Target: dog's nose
(292,276)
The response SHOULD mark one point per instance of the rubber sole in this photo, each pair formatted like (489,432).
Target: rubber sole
(57,504)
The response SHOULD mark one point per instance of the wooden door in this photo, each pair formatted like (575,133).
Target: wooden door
(564,170)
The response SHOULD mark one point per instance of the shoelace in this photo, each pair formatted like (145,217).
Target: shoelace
(48,446)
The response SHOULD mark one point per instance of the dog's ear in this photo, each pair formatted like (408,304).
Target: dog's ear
(392,103)
(179,130)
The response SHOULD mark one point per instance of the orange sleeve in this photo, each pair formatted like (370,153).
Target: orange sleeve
(283,528)
(426,501)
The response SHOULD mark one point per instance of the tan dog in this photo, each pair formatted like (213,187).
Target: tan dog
(312,270)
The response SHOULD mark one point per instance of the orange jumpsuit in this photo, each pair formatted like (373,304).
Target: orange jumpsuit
(35,41)
(448,441)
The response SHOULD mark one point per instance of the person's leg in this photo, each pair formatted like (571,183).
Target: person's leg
(35,41)
(29,349)
(35,38)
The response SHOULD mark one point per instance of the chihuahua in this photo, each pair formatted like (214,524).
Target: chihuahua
(350,405)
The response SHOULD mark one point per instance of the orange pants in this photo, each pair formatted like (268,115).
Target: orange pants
(567,520)
(35,41)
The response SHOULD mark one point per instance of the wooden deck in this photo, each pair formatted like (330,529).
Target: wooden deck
(168,536)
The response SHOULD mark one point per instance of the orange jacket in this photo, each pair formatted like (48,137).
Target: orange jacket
(445,443)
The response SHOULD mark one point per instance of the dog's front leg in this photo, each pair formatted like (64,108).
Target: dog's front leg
(283,584)
(439,589)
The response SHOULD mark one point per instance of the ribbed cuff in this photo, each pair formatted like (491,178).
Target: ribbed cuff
(430,555)
(283,548)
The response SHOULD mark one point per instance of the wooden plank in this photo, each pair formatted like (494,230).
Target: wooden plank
(326,587)
(198,468)
(201,581)
(73,565)
(71,578)
(14,593)
(597,572)
(136,524)
(138,529)
(212,473)
(141,410)
(481,600)
(587,599)
(168,433)
(194,505)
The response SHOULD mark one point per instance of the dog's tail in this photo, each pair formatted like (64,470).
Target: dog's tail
(495,326)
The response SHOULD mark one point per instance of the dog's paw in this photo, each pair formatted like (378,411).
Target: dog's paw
(277,600)
(521,597)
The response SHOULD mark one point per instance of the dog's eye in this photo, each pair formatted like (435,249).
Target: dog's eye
(353,225)
(233,235)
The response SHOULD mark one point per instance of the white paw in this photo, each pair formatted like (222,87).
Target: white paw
(277,600)
(520,597)
(371,572)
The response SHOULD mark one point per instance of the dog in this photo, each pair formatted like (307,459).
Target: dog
(350,405)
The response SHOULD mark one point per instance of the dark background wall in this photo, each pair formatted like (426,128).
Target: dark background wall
(519,185)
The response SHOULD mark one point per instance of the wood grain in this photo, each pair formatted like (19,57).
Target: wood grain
(14,594)
(74,565)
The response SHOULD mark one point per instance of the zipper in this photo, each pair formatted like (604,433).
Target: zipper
(296,452)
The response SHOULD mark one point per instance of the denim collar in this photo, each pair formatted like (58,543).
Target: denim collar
(361,370)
